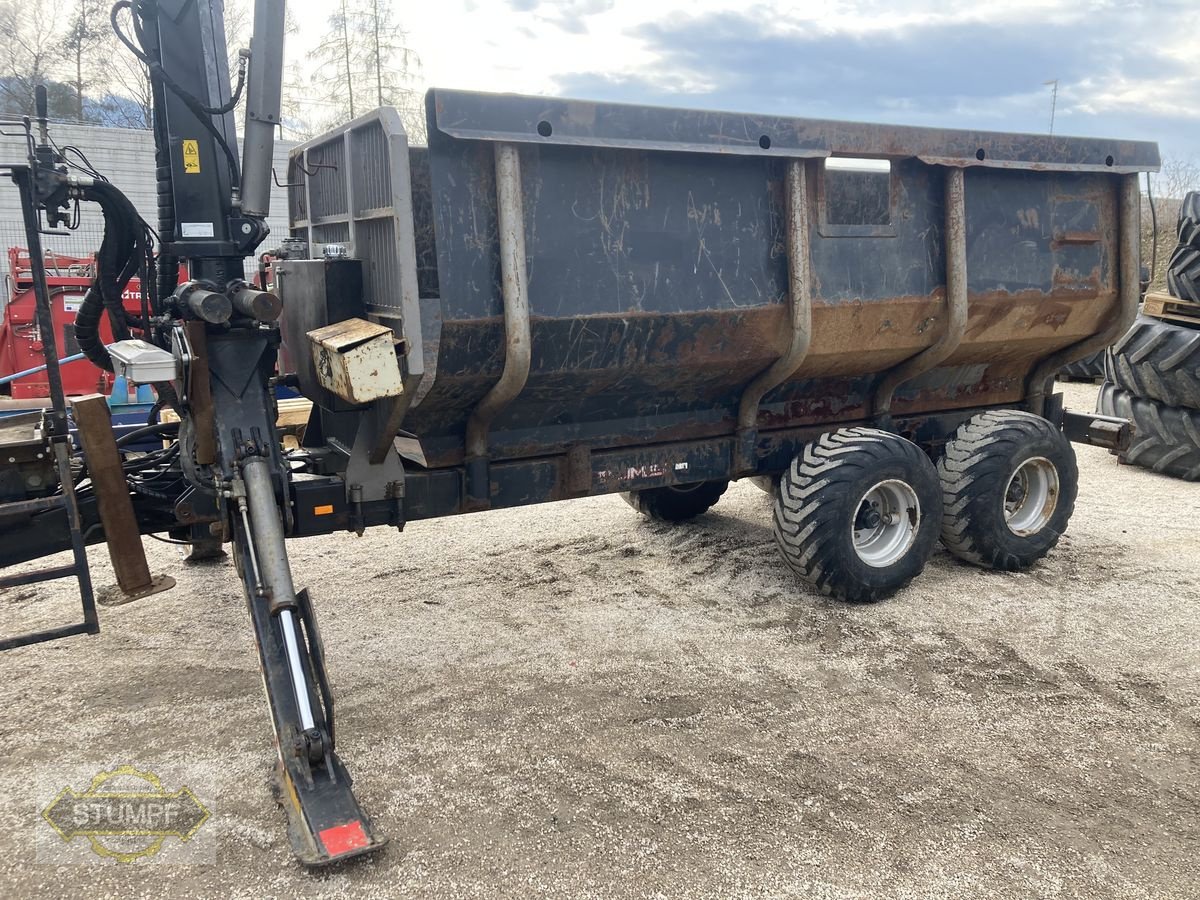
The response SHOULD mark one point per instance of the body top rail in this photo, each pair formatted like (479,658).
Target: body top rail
(546,120)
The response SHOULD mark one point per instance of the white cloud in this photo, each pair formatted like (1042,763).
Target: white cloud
(537,46)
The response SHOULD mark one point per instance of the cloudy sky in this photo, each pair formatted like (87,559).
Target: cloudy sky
(1124,68)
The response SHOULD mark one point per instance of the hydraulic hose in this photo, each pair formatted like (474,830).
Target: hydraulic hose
(168,265)
(122,253)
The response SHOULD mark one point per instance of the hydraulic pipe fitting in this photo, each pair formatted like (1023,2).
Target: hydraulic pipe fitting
(212,306)
(261,306)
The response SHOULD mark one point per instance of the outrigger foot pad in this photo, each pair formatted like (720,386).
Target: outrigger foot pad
(325,823)
(113,595)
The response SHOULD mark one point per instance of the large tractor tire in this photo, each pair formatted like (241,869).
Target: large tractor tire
(1009,482)
(1183,268)
(1158,361)
(1090,368)
(857,513)
(676,502)
(1167,439)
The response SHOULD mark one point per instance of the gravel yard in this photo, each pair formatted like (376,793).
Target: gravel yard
(568,700)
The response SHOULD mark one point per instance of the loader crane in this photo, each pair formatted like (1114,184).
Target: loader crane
(219,334)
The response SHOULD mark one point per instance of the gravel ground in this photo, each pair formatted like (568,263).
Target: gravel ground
(567,700)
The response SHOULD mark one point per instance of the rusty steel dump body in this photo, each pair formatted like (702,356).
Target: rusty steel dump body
(670,258)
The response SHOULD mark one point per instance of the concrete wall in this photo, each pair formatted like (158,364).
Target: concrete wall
(126,158)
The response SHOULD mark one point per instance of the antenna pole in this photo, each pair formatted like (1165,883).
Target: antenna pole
(1053,102)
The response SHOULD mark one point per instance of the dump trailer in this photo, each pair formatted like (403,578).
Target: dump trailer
(598,298)
(558,299)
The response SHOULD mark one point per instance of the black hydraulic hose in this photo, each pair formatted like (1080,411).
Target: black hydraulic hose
(149,290)
(91,310)
(122,253)
(137,434)
(147,9)
(168,264)
(125,263)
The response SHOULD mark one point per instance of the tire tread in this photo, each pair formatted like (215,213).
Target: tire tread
(1158,361)
(1167,439)
(664,505)
(1183,267)
(977,452)
(1090,368)
(818,476)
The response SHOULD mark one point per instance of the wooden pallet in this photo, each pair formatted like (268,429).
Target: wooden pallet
(1163,306)
(293,416)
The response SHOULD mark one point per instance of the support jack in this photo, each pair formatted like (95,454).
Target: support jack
(325,822)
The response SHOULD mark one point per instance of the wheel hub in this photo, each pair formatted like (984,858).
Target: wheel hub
(886,524)
(1031,496)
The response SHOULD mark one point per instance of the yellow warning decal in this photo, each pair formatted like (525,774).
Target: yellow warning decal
(191,157)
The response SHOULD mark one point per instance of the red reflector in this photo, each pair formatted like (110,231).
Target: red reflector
(343,838)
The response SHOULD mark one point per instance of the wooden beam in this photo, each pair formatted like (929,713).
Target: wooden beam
(200,394)
(94,424)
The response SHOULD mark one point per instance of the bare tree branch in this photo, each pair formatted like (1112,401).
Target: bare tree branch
(364,53)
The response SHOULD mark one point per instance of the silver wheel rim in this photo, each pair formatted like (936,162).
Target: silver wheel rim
(1031,496)
(886,521)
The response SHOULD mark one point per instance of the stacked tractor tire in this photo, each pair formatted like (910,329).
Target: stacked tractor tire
(1152,375)
(1090,368)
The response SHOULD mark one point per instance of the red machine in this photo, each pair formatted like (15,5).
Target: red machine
(68,278)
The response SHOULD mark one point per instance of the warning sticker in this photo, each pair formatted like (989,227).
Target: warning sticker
(191,157)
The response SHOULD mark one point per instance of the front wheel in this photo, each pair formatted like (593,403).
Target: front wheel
(1009,481)
(857,513)
(676,502)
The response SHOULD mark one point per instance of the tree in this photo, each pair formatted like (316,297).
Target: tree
(28,45)
(396,68)
(131,103)
(87,38)
(295,119)
(338,61)
(1174,180)
(363,61)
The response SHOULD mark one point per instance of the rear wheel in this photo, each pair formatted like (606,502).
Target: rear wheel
(857,513)
(1009,481)
(676,502)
